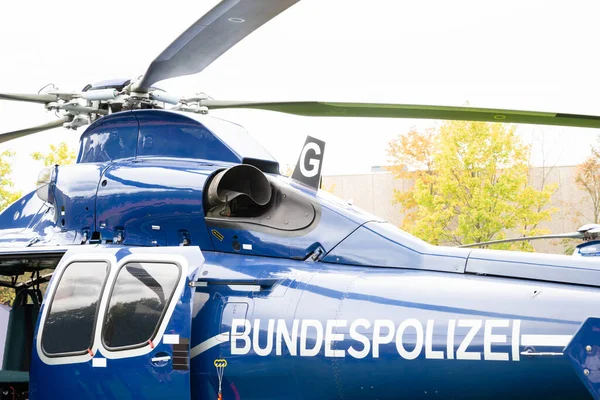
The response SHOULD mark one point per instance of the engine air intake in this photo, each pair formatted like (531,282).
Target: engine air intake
(242,182)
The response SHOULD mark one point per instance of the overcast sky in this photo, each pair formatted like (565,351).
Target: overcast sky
(538,55)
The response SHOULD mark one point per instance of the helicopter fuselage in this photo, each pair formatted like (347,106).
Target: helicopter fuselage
(304,296)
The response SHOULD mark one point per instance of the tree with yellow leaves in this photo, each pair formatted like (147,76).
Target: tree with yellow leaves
(8,194)
(588,179)
(470,184)
(59,154)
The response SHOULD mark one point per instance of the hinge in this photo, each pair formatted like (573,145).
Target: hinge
(85,236)
(184,237)
(119,236)
(316,255)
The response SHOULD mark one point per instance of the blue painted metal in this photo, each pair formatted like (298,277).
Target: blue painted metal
(331,228)
(156,133)
(345,266)
(148,213)
(383,245)
(20,220)
(111,138)
(75,198)
(325,293)
(584,353)
(163,134)
(130,377)
(588,249)
(210,305)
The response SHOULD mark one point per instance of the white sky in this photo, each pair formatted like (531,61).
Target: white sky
(538,55)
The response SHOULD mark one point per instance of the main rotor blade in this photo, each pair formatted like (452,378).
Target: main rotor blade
(33,98)
(571,235)
(212,35)
(5,137)
(375,110)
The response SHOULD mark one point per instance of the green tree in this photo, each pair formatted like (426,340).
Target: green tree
(59,154)
(470,184)
(8,195)
(7,296)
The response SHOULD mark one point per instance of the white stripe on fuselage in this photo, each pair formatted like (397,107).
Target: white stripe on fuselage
(209,344)
(545,340)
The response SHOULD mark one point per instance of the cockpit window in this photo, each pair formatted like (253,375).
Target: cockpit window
(112,139)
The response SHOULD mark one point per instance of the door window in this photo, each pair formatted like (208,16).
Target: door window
(69,326)
(138,302)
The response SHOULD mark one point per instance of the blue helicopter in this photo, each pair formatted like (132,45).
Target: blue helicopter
(179,263)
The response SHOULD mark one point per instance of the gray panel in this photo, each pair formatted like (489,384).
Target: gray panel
(377,244)
(545,267)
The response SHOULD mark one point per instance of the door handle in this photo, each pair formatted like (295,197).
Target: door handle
(161,359)
(264,283)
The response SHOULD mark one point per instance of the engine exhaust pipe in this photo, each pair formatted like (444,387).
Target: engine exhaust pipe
(240,180)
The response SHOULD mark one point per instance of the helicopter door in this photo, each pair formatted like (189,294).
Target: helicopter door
(116,323)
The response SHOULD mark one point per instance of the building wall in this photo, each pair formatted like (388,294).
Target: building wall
(374,193)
